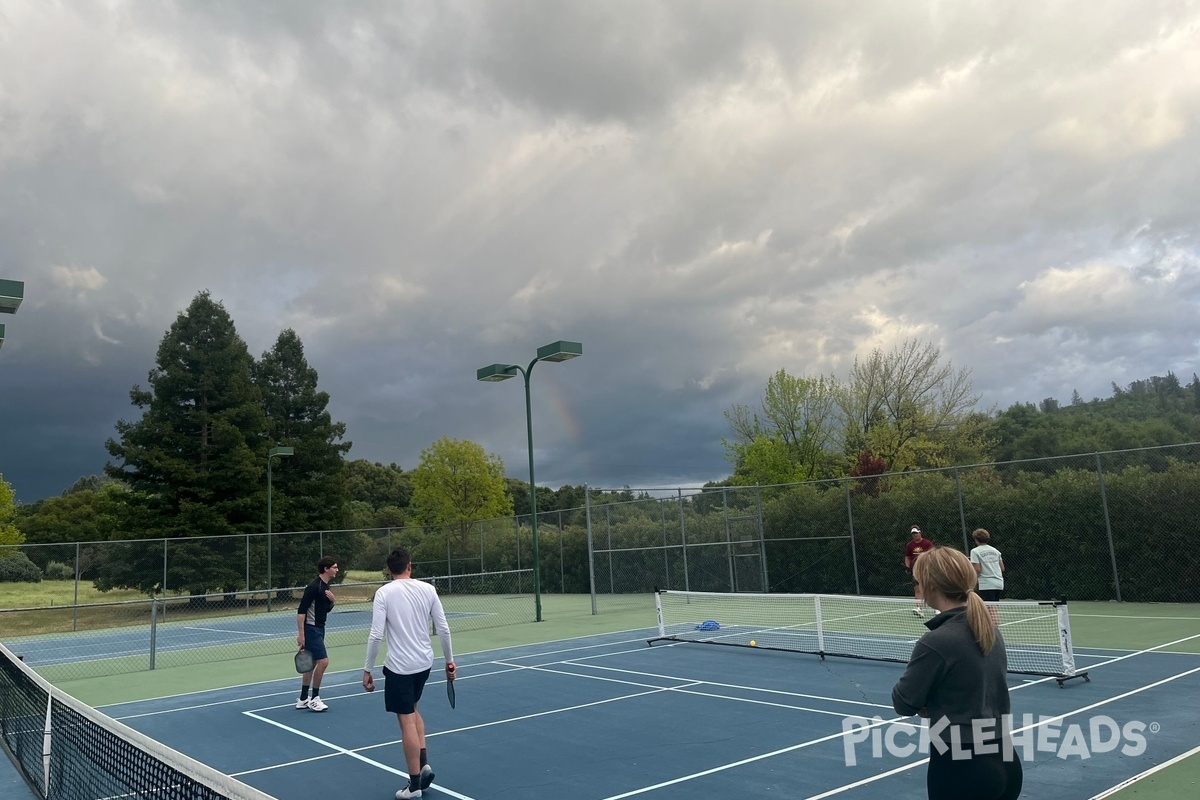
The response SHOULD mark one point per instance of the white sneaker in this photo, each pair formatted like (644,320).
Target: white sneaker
(406,793)
(918,612)
(317,704)
(301,704)
(426,776)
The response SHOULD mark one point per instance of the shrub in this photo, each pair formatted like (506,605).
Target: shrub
(58,571)
(19,569)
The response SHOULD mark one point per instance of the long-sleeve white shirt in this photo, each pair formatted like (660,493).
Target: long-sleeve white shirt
(402,611)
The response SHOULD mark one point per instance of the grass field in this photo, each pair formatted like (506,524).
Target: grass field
(49,607)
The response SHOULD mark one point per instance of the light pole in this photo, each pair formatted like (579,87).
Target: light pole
(558,351)
(11,295)
(274,451)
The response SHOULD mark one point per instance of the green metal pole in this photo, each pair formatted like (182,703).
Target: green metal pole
(533,519)
(270,586)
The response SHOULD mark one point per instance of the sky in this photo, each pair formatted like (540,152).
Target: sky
(701,193)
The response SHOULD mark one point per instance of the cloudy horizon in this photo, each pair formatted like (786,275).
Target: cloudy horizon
(701,193)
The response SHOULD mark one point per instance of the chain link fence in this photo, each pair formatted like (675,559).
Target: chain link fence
(1103,526)
(1114,525)
(95,639)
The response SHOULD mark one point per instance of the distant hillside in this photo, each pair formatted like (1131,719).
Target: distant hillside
(1146,413)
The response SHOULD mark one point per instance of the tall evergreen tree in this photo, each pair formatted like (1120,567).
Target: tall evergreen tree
(200,443)
(310,490)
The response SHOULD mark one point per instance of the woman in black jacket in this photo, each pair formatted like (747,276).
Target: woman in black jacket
(957,677)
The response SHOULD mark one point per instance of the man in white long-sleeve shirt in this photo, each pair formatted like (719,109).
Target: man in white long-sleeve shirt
(402,612)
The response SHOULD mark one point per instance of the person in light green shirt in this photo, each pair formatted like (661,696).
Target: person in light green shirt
(989,566)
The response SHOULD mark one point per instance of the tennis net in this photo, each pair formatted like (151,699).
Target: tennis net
(69,751)
(1037,635)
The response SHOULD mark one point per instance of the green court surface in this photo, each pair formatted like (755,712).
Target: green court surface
(1109,626)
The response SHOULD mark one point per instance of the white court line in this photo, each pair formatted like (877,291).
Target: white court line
(342,751)
(259,634)
(1125,784)
(683,690)
(580,663)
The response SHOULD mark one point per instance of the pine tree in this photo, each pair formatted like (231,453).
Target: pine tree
(310,486)
(201,442)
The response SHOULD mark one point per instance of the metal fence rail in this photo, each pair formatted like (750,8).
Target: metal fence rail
(1115,525)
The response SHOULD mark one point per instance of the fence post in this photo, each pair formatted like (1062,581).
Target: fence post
(1112,553)
(762,539)
(75,607)
(164,582)
(154,628)
(247,573)
(962,517)
(853,546)
(666,558)
(687,582)
(587,515)
(612,582)
(728,543)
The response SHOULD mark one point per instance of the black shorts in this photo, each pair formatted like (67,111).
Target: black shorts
(314,642)
(401,693)
(991,595)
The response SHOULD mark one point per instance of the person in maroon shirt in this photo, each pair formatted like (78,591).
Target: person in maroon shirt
(913,548)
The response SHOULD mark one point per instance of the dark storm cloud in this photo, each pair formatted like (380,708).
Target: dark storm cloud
(702,193)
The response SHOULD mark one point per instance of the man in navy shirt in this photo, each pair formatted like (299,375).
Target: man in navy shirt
(310,631)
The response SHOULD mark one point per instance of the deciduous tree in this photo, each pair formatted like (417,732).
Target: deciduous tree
(905,407)
(458,483)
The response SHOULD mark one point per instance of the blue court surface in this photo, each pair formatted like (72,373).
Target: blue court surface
(609,717)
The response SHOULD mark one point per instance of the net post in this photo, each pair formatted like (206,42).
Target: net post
(47,733)
(1066,646)
(820,626)
(662,628)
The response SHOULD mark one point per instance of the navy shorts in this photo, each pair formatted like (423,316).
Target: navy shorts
(991,595)
(401,693)
(314,642)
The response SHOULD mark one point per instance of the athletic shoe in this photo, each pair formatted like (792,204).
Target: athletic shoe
(426,776)
(918,612)
(406,793)
(317,704)
(302,704)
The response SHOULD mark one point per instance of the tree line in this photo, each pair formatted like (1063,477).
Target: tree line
(194,462)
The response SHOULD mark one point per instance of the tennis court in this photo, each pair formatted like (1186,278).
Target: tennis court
(606,716)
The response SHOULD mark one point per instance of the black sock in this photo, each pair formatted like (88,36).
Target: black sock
(316,692)
(303,692)
(414,782)
(424,757)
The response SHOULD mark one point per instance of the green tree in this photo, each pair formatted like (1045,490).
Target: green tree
(790,437)
(458,483)
(196,457)
(10,537)
(309,487)
(83,515)
(378,486)
(909,408)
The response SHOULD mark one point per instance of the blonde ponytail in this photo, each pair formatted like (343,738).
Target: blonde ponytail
(981,622)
